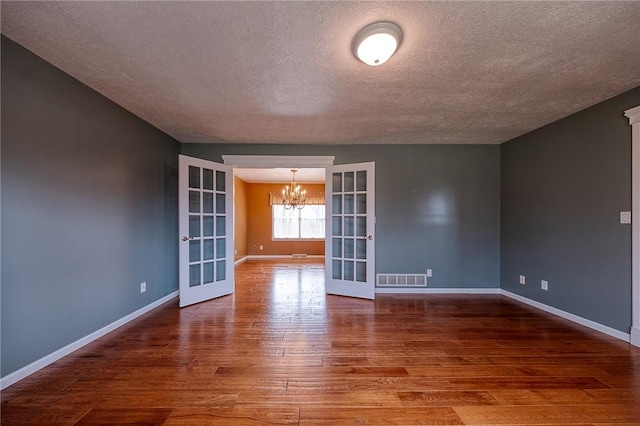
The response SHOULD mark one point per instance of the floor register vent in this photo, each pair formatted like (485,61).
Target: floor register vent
(402,280)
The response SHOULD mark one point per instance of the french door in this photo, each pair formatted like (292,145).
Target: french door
(206,230)
(350,230)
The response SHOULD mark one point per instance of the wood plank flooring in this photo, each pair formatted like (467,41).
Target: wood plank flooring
(280,351)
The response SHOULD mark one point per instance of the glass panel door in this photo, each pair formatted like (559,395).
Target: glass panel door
(350,243)
(205,203)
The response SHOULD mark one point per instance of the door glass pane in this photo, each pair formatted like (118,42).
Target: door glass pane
(220,270)
(194,275)
(220,203)
(337,248)
(336,204)
(194,201)
(348,270)
(336,226)
(220,182)
(194,177)
(361,180)
(336,268)
(348,248)
(207,271)
(207,179)
(207,249)
(361,271)
(361,204)
(194,226)
(207,202)
(194,251)
(221,248)
(348,182)
(361,226)
(361,249)
(348,226)
(348,204)
(220,226)
(337,182)
(207,226)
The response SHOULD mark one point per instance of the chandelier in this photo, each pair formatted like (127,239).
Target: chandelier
(292,195)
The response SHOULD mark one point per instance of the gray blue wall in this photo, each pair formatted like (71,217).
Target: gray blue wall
(437,206)
(563,187)
(89,210)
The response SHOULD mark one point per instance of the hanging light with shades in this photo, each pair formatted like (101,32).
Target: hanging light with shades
(376,43)
(292,195)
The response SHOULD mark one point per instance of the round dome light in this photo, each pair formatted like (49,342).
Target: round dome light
(376,43)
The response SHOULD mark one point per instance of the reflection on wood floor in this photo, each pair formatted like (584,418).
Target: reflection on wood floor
(281,352)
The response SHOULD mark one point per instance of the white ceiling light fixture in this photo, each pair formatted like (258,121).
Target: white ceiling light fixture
(376,43)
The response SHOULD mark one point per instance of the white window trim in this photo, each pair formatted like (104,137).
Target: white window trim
(633,115)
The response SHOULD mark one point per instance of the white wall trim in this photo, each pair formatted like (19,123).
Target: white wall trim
(239,261)
(280,256)
(633,115)
(274,256)
(20,374)
(261,161)
(566,315)
(442,290)
(635,336)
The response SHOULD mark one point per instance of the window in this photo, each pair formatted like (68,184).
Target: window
(305,223)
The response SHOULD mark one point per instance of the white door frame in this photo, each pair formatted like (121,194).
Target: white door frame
(633,115)
(277,161)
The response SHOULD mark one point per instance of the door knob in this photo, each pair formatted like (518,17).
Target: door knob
(187,238)
(370,237)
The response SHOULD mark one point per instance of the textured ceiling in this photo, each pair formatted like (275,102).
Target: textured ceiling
(283,72)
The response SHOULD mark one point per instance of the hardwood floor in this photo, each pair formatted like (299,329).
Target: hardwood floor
(281,352)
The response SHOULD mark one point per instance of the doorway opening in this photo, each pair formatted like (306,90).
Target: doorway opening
(264,228)
(296,261)
(286,245)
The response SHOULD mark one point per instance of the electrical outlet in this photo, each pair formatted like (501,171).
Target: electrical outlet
(429,273)
(544,285)
(143,287)
(523,280)
(625,217)
(235,252)
(261,247)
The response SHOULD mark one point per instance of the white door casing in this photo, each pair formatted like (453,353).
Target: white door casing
(633,115)
(350,230)
(205,202)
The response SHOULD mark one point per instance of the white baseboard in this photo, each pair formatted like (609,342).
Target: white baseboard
(426,290)
(280,256)
(239,261)
(571,317)
(20,374)
(635,336)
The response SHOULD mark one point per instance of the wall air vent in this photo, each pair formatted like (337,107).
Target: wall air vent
(401,280)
